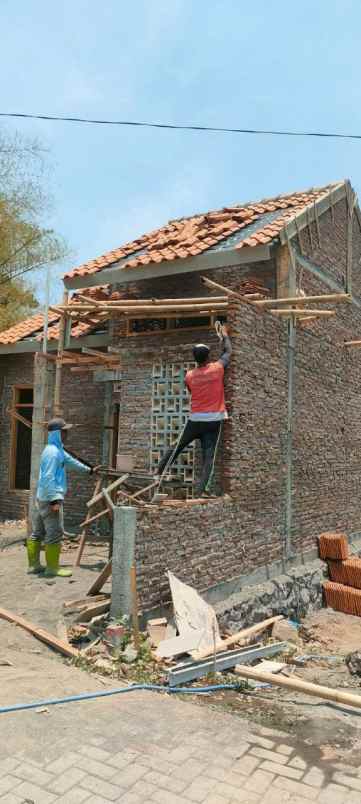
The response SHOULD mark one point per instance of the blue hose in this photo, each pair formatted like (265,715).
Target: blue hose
(87,696)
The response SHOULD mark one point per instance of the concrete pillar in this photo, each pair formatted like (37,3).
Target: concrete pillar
(43,374)
(124,530)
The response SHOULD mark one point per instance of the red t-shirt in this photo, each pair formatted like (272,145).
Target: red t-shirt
(206,384)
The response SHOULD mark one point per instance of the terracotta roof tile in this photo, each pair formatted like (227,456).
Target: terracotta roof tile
(187,237)
(32,328)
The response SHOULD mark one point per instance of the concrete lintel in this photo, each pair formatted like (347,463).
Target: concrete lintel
(23,347)
(124,531)
(203,262)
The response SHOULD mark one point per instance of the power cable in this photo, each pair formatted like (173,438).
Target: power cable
(182,126)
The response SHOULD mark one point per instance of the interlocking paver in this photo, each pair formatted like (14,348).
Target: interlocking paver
(105,789)
(123,758)
(200,789)
(8,765)
(132,798)
(31,774)
(314,777)
(348,781)
(8,783)
(63,763)
(259,782)
(246,765)
(75,796)
(262,753)
(128,776)
(164,797)
(94,752)
(281,770)
(296,788)
(333,794)
(189,770)
(166,782)
(9,798)
(27,790)
(96,768)
(263,742)
(144,789)
(66,781)
(285,749)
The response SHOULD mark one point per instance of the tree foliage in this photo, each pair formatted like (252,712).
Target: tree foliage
(25,243)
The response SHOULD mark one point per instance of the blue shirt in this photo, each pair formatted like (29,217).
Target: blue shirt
(52,483)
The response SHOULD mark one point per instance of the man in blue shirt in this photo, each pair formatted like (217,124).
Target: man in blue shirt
(48,521)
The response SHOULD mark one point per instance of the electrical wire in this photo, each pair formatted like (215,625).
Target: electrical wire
(181,126)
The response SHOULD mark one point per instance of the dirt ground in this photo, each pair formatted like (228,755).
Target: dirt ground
(36,672)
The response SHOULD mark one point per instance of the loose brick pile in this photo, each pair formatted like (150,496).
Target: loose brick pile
(343,591)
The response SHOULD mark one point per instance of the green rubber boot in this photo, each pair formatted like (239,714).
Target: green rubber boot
(52,553)
(33,551)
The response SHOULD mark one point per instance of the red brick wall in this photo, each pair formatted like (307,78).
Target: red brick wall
(83,404)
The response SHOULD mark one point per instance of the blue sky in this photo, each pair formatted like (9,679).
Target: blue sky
(270,64)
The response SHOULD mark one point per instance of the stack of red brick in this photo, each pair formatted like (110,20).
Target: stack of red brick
(343,591)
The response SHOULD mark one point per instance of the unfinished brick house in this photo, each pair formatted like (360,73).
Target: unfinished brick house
(290,463)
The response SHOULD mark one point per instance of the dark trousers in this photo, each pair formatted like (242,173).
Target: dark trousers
(208,433)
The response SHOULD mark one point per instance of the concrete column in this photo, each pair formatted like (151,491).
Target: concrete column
(124,530)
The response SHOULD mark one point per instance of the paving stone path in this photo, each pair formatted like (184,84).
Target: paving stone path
(144,747)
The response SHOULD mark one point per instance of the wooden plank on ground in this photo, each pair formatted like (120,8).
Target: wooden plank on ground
(83,534)
(39,633)
(92,611)
(101,579)
(84,601)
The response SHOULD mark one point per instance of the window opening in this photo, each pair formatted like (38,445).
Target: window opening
(21,439)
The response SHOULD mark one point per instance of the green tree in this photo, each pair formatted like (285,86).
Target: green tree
(25,243)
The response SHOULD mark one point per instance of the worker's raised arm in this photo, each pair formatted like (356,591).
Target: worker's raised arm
(73,463)
(226,347)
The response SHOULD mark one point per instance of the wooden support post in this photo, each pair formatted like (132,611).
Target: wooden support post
(282,272)
(97,497)
(99,582)
(83,535)
(43,378)
(135,613)
(57,410)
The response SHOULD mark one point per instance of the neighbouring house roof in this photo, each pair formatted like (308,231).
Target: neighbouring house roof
(236,227)
(32,328)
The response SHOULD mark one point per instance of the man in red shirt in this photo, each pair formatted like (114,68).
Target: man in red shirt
(208,410)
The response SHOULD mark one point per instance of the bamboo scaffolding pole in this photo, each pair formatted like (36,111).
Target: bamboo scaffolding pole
(152,308)
(352,343)
(335,298)
(295,684)
(230,293)
(57,410)
(145,302)
(304,313)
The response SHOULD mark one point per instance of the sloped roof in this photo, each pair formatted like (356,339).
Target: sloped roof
(32,328)
(234,227)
